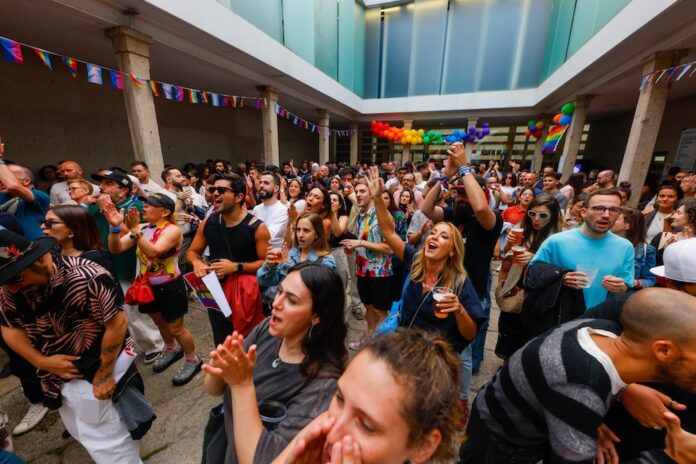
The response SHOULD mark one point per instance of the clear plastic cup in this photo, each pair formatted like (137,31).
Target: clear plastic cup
(439,294)
(276,244)
(272,413)
(590,271)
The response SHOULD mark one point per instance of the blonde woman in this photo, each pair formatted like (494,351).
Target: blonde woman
(459,314)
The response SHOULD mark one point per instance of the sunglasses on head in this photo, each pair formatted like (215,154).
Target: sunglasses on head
(220,190)
(48,223)
(532,214)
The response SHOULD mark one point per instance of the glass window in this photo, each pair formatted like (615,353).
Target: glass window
(428,38)
(298,37)
(501,23)
(346,41)
(326,36)
(269,18)
(398,27)
(373,44)
(461,45)
(529,60)
(558,36)
(359,50)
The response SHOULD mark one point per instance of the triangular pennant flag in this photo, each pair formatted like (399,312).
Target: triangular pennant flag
(225,100)
(241,105)
(116,79)
(684,70)
(193,98)
(234,102)
(662,73)
(153,87)
(94,74)
(45,57)
(179,94)
(11,51)
(204,96)
(136,80)
(258,103)
(214,99)
(71,64)
(167,89)
(643,82)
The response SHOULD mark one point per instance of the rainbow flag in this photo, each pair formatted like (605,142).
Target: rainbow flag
(116,79)
(553,138)
(153,86)
(94,74)
(71,64)
(45,57)
(193,95)
(11,51)
(136,80)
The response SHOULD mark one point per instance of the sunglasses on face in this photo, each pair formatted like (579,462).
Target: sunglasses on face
(219,190)
(532,214)
(48,223)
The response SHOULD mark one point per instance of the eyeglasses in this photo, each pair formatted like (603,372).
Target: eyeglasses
(48,223)
(601,209)
(72,189)
(532,214)
(220,190)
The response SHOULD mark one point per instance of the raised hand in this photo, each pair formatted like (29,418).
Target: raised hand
(310,442)
(231,362)
(112,215)
(133,219)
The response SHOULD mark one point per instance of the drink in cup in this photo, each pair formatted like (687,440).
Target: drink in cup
(518,233)
(590,271)
(272,413)
(440,294)
(517,250)
(276,245)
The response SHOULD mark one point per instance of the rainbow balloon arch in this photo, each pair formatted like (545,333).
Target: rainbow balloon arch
(431,137)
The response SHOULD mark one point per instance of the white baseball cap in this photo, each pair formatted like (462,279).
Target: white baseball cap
(680,262)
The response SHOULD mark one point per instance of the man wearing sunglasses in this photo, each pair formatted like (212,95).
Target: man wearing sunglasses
(601,263)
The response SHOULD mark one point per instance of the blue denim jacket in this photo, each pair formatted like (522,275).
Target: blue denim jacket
(271,277)
(644,261)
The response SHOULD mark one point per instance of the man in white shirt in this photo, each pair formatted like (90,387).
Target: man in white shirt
(140,170)
(271,211)
(70,170)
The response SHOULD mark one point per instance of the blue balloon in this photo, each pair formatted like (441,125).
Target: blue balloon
(455,132)
(533,129)
(565,120)
(451,138)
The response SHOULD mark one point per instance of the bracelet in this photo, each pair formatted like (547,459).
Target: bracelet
(464,170)
(115,230)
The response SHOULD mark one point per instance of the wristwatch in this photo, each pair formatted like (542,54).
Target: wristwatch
(240,267)
(136,236)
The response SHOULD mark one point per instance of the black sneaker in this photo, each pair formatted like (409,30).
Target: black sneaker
(151,357)
(186,372)
(166,359)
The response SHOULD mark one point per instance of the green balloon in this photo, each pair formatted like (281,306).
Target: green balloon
(438,135)
(531,122)
(431,133)
(426,140)
(568,108)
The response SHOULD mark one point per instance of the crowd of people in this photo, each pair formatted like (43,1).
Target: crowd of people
(597,300)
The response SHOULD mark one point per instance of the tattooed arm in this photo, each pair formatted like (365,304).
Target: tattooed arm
(104,383)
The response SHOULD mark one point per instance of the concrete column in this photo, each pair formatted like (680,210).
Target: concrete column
(354,141)
(646,124)
(470,145)
(538,155)
(323,136)
(269,125)
(406,149)
(509,146)
(573,136)
(132,49)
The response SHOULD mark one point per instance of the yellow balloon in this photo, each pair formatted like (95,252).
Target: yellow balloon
(421,132)
(403,141)
(420,140)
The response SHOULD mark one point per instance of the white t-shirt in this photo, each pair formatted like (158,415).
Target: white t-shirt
(509,191)
(150,187)
(274,216)
(59,193)
(656,226)
(589,345)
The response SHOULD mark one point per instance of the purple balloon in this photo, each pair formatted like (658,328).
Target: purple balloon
(479,134)
(533,129)
(472,129)
(485,124)
(486,130)
(472,137)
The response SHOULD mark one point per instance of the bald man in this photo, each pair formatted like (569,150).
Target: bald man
(552,395)
(605,179)
(70,170)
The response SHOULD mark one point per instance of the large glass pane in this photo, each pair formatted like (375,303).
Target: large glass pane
(326,36)
(461,45)
(531,48)
(269,18)
(398,26)
(359,50)
(558,36)
(298,37)
(429,29)
(346,41)
(590,17)
(497,46)
(373,50)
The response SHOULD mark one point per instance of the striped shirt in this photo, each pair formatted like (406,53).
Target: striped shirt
(552,392)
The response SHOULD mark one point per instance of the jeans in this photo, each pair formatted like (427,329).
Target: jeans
(479,343)
(465,373)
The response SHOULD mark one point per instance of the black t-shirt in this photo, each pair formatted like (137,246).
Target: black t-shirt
(479,245)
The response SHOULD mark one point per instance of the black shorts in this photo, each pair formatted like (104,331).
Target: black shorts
(376,291)
(171,300)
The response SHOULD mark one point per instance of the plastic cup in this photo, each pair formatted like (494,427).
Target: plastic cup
(439,294)
(276,244)
(590,271)
(272,413)
(517,250)
(518,233)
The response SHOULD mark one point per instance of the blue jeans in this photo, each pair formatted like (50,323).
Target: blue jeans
(479,343)
(465,373)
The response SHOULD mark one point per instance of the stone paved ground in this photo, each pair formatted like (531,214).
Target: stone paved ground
(182,411)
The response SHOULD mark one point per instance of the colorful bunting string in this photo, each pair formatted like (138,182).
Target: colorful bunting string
(672,74)
(12,51)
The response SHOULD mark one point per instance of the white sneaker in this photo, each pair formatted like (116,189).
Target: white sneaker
(31,419)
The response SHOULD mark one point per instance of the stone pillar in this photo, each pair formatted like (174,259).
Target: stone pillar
(323,136)
(406,149)
(269,125)
(573,136)
(354,141)
(646,124)
(538,155)
(509,146)
(470,145)
(132,49)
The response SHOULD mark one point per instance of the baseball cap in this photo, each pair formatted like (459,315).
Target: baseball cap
(161,200)
(680,262)
(118,177)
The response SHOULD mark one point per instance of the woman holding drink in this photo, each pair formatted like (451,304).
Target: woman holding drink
(437,295)
(542,220)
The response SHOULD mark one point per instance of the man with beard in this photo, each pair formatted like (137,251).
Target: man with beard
(271,211)
(116,188)
(480,227)
(550,399)
(238,243)
(65,316)
(605,260)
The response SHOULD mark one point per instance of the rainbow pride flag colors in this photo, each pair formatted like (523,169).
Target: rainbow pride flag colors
(553,138)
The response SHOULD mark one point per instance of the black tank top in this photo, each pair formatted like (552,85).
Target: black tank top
(239,241)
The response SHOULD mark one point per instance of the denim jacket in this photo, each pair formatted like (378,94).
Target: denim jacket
(270,277)
(644,261)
